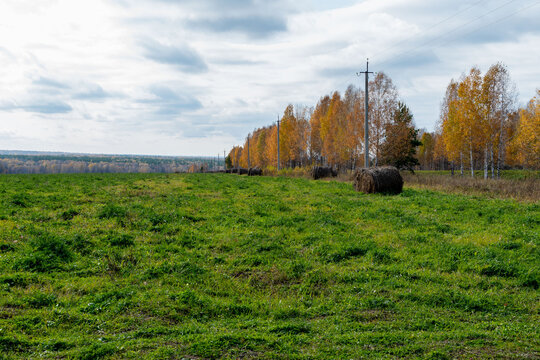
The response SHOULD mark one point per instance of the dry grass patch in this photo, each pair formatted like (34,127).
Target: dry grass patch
(523,190)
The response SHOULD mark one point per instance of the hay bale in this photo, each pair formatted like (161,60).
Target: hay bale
(386,179)
(254,172)
(319,172)
(242,171)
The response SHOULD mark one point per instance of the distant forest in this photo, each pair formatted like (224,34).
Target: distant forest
(56,163)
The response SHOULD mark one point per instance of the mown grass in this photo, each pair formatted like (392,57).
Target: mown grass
(224,266)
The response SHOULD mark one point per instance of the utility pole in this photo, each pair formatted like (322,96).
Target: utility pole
(249,160)
(366,124)
(278,142)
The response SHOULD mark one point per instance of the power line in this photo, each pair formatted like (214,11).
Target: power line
(350,78)
(456,29)
(499,20)
(429,28)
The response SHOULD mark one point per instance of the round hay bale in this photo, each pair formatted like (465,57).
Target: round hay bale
(254,172)
(319,172)
(386,179)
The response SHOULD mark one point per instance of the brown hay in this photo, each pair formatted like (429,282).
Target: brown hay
(386,179)
(254,172)
(518,189)
(319,172)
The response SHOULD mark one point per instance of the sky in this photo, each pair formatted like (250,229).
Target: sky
(194,77)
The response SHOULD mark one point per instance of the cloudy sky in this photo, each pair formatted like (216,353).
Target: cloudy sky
(193,77)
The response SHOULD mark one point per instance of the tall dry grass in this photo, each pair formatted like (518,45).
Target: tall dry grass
(519,189)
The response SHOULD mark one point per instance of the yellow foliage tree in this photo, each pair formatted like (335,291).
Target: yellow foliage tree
(526,142)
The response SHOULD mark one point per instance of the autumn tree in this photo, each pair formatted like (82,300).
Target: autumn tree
(451,126)
(260,143)
(439,151)
(271,146)
(498,99)
(401,140)
(333,129)
(228,161)
(526,142)
(235,156)
(301,138)
(475,117)
(470,111)
(316,142)
(293,136)
(383,100)
(353,101)
(426,150)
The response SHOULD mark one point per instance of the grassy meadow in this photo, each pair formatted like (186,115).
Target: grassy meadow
(206,266)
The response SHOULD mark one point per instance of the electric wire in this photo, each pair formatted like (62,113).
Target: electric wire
(454,30)
(428,28)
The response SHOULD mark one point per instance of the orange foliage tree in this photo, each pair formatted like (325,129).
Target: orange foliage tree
(526,142)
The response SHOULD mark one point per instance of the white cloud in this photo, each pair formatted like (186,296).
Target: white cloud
(191,77)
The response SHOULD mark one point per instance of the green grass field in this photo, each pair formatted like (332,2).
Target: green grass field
(222,266)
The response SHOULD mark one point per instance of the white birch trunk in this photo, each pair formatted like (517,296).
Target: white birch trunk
(486,163)
(492,164)
(461,163)
(472,162)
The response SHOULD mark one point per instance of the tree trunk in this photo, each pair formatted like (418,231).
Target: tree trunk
(492,164)
(486,168)
(472,163)
(461,163)
(452,167)
(501,147)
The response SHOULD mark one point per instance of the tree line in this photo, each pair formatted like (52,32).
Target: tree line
(332,132)
(479,127)
(46,164)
